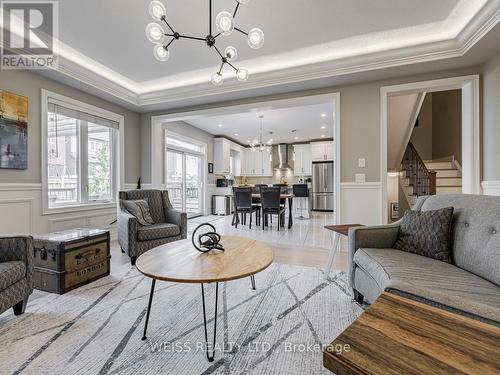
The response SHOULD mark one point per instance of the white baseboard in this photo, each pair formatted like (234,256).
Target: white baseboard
(491,187)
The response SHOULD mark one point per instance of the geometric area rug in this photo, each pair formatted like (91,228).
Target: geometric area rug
(279,328)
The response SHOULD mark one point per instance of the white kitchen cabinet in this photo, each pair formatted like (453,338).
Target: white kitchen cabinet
(322,151)
(222,156)
(303,160)
(267,167)
(257,163)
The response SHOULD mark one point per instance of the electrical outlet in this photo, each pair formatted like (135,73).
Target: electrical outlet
(362,163)
(88,221)
(360,178)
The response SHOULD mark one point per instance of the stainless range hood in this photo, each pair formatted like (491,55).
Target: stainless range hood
(280,157)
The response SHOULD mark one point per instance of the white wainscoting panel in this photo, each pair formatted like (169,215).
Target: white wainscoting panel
(16,216)
(361,203)
(21,213)
(491,187)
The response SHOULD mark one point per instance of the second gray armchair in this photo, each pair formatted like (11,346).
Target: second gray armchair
(16,272)
(170,224)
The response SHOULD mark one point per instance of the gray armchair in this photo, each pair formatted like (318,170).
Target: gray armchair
(170,225)
(16,272)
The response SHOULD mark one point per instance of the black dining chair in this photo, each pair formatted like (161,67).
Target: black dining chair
(256,188)
(301,191)
(243,205)
(270,202)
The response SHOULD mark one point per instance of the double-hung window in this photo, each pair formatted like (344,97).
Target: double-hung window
(80,158)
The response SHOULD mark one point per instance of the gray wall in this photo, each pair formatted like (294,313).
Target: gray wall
(360,122)
(447,124)
(491,120)
(29,84)
(421,137)
(439,131)
(179,127)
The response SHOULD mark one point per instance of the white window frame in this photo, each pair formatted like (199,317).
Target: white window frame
(117,152)
(202,154)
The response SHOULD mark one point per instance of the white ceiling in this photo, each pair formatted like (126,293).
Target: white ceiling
(306,120)
(114,35)
(309,43)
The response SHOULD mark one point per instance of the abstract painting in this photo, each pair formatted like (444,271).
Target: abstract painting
(13,131)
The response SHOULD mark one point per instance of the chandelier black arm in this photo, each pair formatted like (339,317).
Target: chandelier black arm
(241,31)
(192,37)
(169,43)
(231,65)
(170,27)
(217,35)
(210,17)
(236,9)
(221,66)
(220,54)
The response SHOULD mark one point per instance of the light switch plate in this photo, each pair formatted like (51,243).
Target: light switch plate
(360,178)
(362,162)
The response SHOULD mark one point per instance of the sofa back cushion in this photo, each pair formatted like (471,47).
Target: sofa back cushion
(475,231)
(154,199)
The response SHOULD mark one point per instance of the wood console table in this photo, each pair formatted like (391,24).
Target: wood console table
(397,335)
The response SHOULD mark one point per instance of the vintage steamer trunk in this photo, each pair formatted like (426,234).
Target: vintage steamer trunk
(68,259)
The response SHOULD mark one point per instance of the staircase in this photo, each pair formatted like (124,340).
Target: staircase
(431,177)
(448,175)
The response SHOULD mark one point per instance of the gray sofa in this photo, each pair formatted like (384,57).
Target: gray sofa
(16,272)
(469,286)
(170,224)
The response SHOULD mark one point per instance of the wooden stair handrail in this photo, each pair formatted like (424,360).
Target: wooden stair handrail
(432,175)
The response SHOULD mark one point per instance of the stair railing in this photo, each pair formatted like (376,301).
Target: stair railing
(421,179)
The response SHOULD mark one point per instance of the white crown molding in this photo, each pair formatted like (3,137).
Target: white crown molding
(91,73)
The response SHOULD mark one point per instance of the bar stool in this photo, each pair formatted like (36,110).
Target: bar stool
(301,191)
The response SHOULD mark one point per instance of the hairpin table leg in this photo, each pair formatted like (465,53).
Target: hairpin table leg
(210,351)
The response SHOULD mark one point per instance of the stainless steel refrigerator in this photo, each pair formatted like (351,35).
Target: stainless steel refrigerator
(322,186)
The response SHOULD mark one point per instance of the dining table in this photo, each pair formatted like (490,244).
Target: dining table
(285,196)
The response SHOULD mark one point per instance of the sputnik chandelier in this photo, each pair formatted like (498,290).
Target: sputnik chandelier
(224,23)
(258,144)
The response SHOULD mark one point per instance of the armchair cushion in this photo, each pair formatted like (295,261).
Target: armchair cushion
(11,273)
(426,233)
(140,209)
(157,231)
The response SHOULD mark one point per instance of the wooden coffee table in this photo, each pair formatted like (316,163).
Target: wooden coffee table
(180,262)
(397,335)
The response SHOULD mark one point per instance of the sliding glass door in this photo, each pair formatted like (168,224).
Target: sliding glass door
(184,176)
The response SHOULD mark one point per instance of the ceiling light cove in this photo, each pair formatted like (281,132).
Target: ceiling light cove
(225,25)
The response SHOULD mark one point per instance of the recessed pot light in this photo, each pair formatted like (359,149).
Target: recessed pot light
(220,125)
(236,134)
(323,127)
(296,138)
(323,136)
(323,115)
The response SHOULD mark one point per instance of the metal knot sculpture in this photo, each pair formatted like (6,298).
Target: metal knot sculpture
(207,241)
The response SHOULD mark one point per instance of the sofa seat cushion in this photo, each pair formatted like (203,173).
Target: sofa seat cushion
(158,231)
(430,280)
(11,272)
